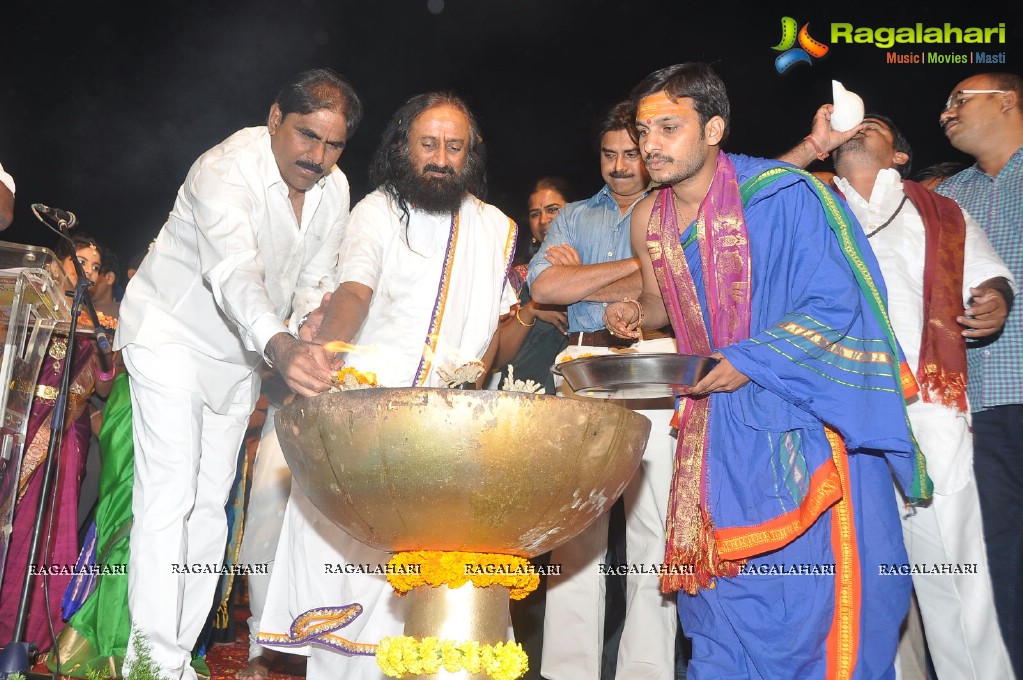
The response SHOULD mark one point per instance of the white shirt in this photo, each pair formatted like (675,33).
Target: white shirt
(221,276)
(405,274)
(900,250)
(6,179)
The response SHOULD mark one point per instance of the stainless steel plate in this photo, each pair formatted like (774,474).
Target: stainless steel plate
(634,376)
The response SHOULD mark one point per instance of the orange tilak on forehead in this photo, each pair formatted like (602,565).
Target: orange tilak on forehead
(658,105)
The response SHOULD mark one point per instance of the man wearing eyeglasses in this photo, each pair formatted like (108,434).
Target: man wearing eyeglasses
(983,117)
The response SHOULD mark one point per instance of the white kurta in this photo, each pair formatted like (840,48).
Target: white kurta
(958,610)
(403,267)
(217,284)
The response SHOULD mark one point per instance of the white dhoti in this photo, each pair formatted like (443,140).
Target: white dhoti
(319,580)
(945,537)
(434,277)
(574,620)
(264,516)
(958,610)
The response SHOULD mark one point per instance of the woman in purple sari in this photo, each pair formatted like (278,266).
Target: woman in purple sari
(62,547)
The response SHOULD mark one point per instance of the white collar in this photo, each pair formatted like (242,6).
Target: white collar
(887,187)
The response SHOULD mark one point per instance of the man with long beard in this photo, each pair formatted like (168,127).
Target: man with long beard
(782,509)
(422,274)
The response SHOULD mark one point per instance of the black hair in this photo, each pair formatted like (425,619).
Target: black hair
(554,183)
(939,171)
(621,116)
(111,263)
(318,89)
(899,141)
(393,151)
(136,260)
(79,240)
(692,80)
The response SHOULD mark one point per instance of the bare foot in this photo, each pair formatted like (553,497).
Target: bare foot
(258,668)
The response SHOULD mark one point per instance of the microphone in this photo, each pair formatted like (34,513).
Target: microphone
(61,217)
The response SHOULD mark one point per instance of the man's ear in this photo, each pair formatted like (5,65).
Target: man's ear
(111,278)
(1010,100)
(900,159)
(714,130)
(274,119)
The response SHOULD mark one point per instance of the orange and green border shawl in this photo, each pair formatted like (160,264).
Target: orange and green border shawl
(724,251)
(841,224)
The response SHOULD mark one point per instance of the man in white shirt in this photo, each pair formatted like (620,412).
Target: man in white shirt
(936,260)
(423,281)
(258,218)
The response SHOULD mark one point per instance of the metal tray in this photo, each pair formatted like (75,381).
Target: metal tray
(634,376)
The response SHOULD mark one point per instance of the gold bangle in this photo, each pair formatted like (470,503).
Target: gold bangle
(639,308)
(521,322)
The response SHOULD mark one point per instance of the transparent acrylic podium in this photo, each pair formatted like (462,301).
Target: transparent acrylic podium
(32,306)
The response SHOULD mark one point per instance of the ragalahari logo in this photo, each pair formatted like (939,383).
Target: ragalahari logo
(808,49)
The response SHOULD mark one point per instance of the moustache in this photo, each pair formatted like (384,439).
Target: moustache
(621,174)
(943,122)
(311,167)
(658,157)
(446,170)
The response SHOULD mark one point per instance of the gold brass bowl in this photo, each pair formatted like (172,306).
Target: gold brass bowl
(477,471)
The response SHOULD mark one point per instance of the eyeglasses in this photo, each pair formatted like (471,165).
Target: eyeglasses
(957,99)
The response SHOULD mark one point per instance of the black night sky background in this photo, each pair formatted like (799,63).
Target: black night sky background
(106,105)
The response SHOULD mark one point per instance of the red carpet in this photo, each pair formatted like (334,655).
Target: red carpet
(225,660)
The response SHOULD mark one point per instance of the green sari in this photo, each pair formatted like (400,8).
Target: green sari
(96,637)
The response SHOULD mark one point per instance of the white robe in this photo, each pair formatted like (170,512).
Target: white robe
(403,267)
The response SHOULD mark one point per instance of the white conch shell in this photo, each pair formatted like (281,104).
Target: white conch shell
(848,111)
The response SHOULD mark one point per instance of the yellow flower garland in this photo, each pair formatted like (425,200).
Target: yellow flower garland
(403,655)
(408,570)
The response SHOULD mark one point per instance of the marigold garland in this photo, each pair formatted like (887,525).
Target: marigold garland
(408,570)
(403,655)
(108,322)
(352,377)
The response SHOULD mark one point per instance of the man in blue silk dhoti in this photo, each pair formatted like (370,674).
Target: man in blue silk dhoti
(783,531)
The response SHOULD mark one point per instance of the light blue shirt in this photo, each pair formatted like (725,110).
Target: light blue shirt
(599,231)
(995,369)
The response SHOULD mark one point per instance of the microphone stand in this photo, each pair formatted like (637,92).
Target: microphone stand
(16,654)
